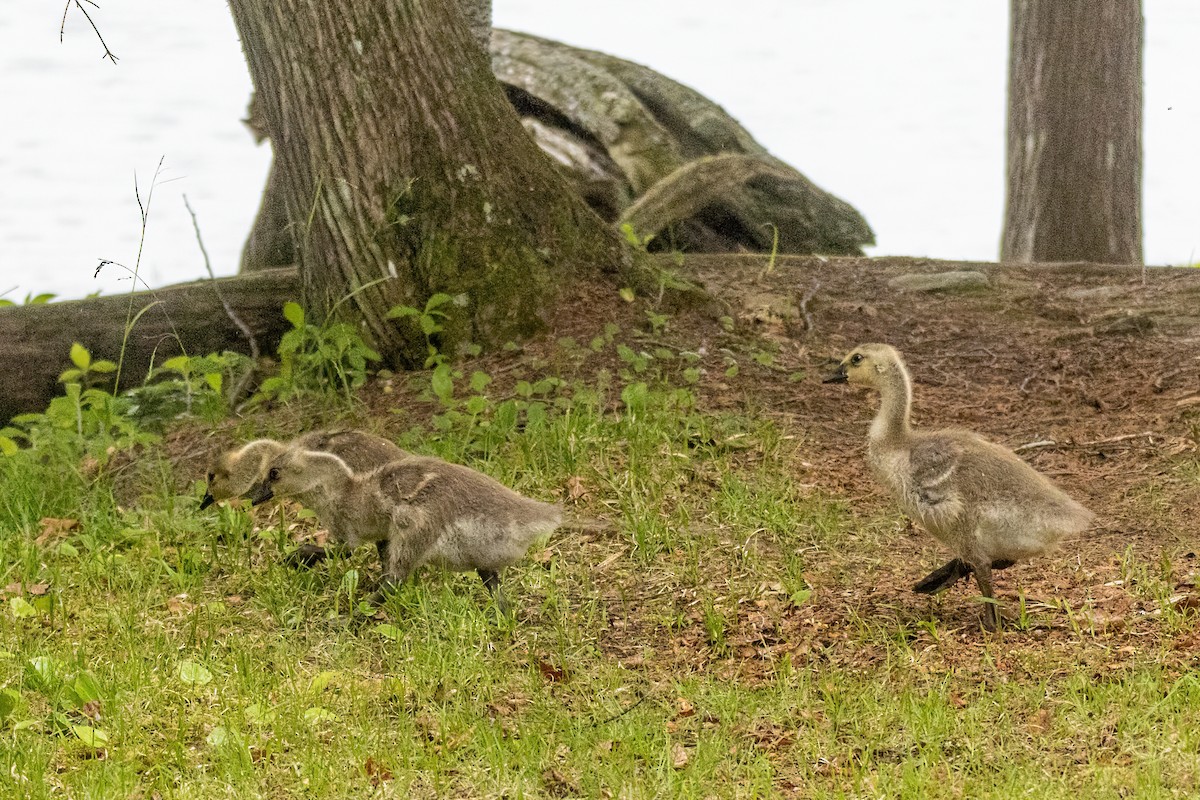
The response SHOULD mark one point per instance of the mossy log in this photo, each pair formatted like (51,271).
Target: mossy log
(35,340)
(616,130)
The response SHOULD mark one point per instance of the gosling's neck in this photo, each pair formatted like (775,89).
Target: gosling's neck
(891,425)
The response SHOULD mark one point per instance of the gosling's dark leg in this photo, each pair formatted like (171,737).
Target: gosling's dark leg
(381,547)
(387,585)
(991,610)
(491,579)
(306,555)
(951,573)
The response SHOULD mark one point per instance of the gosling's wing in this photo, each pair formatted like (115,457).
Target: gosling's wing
(936,463)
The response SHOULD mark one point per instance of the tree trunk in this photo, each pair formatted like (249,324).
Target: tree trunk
(35,340)
(1074,132)
(479,18)
(405,172)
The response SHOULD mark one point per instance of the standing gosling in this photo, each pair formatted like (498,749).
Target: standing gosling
(242,472)
(428,511)
(978,498)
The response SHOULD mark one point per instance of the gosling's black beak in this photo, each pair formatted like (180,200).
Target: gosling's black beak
(259,493)
(207,501)
(836,377)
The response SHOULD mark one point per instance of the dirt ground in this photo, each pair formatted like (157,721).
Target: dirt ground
(1090,373)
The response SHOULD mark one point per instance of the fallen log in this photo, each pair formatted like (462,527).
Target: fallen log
(35,340)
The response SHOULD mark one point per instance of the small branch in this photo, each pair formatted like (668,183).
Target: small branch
(229,312)
(804,301)
(62,28)
(1050,443)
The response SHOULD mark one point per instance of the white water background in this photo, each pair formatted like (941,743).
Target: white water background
(897,107)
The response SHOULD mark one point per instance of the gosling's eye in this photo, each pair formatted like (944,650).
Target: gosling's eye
(273,475)
(856,359)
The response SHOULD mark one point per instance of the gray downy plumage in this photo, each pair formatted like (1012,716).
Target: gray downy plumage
(242,472)
(429,511)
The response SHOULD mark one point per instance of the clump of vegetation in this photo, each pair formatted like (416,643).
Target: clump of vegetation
(696,629)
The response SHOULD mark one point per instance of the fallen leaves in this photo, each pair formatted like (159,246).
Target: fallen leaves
(679,756)
(376,772)
(576,491)
(53,529)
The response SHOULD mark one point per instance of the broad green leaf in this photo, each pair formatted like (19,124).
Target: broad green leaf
(317,714)
(476,404)
(627,294)
(103,366)
(7,446)
(178,363)
(259,714)
(442,382)
(40,670)
(219,736)
(214,380)
(479,381)
(350,581)
(92,737)
(399,312)
(322,680)
(388,631)
(194,674)
(438,299)
(87,689)
(80,357)
(294,314)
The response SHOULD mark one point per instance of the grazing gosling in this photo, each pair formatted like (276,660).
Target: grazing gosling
(428,511)
(978,498)
(242,472)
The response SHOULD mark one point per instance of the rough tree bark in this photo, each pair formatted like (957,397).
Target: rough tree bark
(1074,132)
(405,171)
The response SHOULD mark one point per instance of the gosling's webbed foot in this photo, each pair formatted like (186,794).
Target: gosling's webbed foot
(951,573)
(306,555)
(943,577)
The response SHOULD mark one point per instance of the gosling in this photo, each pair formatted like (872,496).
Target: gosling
(428,511)
(976,497)
(242,472)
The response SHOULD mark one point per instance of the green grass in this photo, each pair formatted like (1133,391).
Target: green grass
(656,656)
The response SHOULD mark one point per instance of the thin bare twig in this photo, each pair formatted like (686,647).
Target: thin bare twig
(62,28)
(804,301)
(1048,443)
(233,315)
